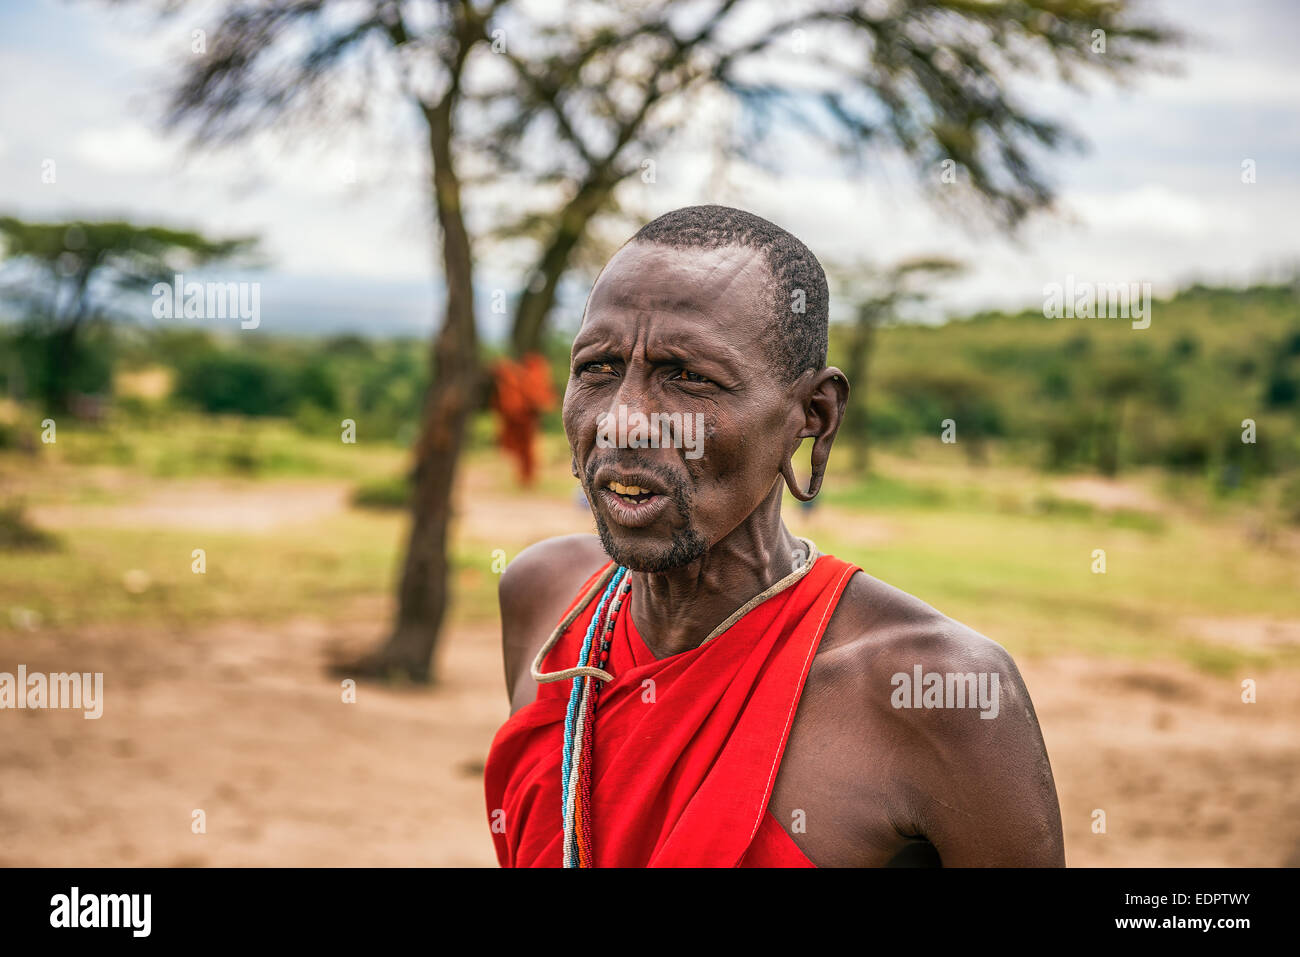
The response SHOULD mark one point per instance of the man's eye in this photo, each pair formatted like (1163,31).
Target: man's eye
(689,376)
(604,367)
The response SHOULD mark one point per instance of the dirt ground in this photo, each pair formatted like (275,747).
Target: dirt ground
(245,724)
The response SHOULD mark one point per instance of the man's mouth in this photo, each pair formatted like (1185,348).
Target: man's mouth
(630,500)
(634,494)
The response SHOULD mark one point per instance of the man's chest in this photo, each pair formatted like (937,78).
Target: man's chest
(838,790)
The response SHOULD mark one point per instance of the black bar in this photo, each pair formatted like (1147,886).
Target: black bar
(441,907)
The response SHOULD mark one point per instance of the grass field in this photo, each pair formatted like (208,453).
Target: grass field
(1009,551)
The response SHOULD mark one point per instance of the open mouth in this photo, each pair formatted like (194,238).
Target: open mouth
(631,503)
(631,494)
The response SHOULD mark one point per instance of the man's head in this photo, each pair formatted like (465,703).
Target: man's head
(708,315)
(793,332)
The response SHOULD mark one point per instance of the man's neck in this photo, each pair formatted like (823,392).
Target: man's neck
(676,611)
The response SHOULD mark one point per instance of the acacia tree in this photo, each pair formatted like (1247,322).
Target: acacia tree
(575,99)
(605,86)
(315,62)
(63,276)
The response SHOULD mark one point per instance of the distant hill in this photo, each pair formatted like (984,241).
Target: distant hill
(1098,392)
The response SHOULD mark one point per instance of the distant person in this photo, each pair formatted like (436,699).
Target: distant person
(521,392)
(716,692)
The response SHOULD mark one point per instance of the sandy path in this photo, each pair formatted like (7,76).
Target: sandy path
(234,505)
(243,722)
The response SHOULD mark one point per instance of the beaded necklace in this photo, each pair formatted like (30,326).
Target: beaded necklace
(580,720)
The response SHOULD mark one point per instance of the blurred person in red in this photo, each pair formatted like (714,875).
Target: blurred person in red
(521,392)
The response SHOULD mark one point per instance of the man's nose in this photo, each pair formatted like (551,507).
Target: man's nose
(637,408)
(634,394)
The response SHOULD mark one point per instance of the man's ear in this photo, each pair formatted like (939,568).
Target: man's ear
(822,398)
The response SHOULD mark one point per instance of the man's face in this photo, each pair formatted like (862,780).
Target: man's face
(673,335)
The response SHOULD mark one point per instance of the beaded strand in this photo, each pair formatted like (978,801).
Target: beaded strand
(599,659)
(579,725)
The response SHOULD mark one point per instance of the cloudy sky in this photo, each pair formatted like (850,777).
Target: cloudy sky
(1158,195)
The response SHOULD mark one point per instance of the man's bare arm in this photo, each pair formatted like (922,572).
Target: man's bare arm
(979,785)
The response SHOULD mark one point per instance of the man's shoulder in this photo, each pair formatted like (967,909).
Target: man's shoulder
(897,669)
(879,631)
(910,689)
(881,620)
(552,566)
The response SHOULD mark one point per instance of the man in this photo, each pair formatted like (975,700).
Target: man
(734,698)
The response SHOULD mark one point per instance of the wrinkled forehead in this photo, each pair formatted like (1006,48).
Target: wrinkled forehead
(722,293)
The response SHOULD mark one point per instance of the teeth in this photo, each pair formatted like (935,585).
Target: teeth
(628,489)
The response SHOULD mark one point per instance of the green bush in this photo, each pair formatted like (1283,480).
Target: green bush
(232,382)
(316,385)
(56,365)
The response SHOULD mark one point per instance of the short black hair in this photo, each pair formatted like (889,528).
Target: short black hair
(797,339)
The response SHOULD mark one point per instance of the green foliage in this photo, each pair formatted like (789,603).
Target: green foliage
(236,382)
(380,385)
(133,254)
(1091,395)
(54,365)
(61,277)
(1098,395)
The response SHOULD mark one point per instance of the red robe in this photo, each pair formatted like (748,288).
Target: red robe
(686,747)
(522,392)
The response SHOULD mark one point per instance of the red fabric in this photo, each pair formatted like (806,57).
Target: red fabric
(683,780)
(522,391)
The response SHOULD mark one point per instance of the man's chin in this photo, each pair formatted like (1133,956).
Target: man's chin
(652,556)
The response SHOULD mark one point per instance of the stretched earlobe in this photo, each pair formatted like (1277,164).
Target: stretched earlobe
(792,483)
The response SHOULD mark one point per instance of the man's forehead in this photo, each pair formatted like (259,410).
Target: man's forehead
(646,277)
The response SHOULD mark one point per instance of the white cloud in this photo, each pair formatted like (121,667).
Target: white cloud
(1152,209)
(1159,199)
(126,148)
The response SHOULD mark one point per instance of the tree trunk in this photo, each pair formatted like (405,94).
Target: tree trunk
(858,356)
(424,590)
(535,304)
(1108,440)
